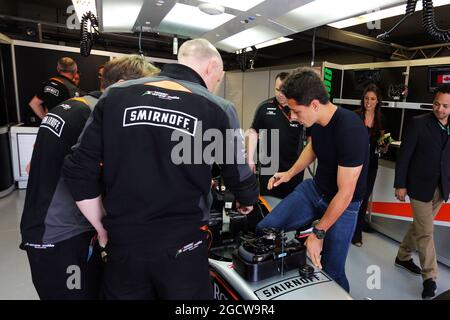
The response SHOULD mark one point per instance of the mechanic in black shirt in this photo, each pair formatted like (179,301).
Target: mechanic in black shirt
(158,188)
(340,144)
(60,243)
(274,121)
(56,89)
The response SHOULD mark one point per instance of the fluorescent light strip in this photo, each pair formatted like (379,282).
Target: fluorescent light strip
(248,38)
(269,43)
(322,12)
(190,21)
(241,5)
(382,14)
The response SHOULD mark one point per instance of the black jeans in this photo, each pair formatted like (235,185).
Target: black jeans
(371,176)
(169,269)
(64,272)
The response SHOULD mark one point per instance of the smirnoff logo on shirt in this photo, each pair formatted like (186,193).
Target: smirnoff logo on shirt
(51,90)
(54,123)
(153,116)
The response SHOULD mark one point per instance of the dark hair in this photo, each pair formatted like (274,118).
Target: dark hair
(304,85)
(445,89)
(377,125)
(282,76)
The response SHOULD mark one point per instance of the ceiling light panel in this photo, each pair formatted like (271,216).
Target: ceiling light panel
(270,43)
(242,5)
(382,14)
(119,15)
(189,21)
(248,38)
(322,12)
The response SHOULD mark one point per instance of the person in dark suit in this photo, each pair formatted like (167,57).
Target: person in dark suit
(423,173)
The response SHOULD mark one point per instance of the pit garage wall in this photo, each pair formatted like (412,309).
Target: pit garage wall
(387,215)
(248,89)
(33,63)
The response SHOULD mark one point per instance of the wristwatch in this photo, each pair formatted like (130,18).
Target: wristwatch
(319,233)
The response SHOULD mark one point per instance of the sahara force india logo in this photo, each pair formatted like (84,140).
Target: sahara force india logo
(153,116)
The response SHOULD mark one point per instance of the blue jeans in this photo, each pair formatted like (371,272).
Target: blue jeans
(304,205)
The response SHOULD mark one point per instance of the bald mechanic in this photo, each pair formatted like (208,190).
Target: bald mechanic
(157,207)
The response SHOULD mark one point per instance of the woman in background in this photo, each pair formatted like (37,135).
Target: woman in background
(370,113)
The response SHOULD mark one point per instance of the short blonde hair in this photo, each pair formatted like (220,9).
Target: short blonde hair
(127,68)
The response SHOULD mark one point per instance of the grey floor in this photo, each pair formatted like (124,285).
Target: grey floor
(377,253)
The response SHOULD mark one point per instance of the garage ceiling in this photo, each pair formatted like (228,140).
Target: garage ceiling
(271,18)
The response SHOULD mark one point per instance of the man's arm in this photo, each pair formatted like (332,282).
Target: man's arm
(407,149)
(92,209)
(237,174)
(305,159)
(37,107)
(251,148)
(347,178)
(82,171)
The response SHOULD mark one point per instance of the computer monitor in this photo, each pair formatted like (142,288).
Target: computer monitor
(438,76)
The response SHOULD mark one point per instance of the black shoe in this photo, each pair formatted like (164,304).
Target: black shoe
(409,265)
(429,289)
(367,228)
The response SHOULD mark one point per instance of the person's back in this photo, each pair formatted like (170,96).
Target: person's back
(141,171)
(59,131)
(153,139)
(55,234)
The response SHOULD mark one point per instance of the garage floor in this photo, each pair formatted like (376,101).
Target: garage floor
(375,257)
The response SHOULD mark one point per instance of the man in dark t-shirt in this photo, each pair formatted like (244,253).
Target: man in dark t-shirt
(56,89)
(340,144)
(280,141)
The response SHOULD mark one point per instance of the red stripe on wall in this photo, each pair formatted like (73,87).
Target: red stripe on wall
(405,210)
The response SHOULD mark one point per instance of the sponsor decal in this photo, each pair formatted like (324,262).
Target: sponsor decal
(189,247)
(39,246)
(54,123)
(161,95)
(51,90)
(270,113)
(153,116)
(65,106)
(291,284)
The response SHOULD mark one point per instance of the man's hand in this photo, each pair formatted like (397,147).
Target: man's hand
(28,167)
(314,247)
(278,178)
(252,166)
(243,209)
(102,236)
(400,194)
